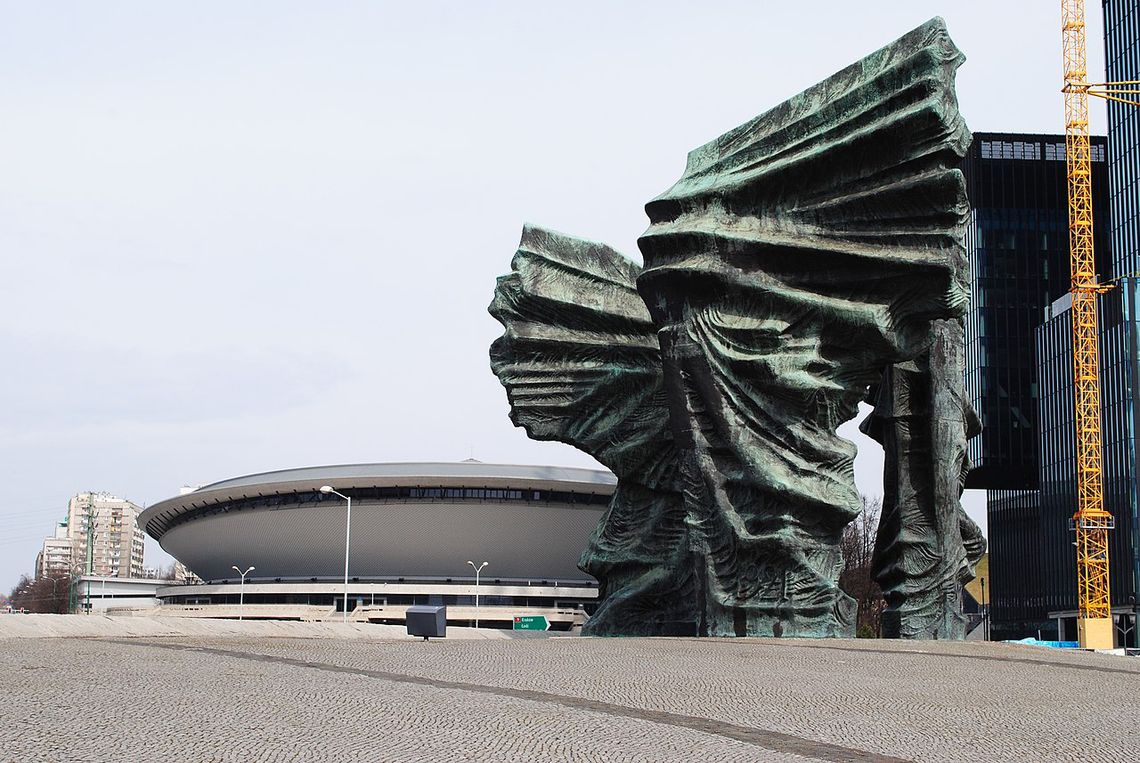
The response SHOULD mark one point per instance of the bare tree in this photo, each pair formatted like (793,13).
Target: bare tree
(858,547)
(48,594)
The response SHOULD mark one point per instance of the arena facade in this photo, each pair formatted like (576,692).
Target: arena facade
(414,527)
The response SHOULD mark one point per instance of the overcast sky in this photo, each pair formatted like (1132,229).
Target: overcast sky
(239,237)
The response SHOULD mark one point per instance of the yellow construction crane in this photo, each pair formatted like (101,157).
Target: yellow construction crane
(1091,522)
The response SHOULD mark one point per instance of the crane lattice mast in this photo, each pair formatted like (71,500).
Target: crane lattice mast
(1091,522)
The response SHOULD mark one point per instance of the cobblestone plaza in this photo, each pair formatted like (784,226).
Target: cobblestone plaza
(270,700)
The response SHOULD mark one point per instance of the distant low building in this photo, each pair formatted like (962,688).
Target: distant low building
(101,594)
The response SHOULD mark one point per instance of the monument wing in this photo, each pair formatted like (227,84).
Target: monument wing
(579,356)
(797,256)
(845,199)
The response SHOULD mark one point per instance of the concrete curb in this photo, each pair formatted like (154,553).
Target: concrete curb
(103,626)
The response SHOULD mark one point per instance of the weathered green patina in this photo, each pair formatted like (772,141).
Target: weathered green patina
(926,547)
(799,256)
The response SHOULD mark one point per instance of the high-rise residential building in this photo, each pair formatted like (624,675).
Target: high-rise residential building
(105,536)
(55,557)
(1018,248)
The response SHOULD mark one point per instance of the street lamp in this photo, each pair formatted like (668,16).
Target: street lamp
(477,571)
(54,596)
(241,595)
(326,489)
(985,612)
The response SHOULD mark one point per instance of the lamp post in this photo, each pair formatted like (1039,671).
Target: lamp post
(985,612)
(54,603)
(477,571)
(241,594)
(327,489)
(1132,627)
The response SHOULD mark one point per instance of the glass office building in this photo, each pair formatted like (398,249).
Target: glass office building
(1019,355)
(1015,597)
(1018,248)
(1120,322)
(1119,359)
(1122,64)
(1017,242)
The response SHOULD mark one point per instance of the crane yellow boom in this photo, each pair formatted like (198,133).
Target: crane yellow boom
(1091,522)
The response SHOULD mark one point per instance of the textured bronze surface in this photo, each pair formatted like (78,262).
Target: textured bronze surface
(798,257)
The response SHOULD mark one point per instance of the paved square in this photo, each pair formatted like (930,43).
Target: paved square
(273,699)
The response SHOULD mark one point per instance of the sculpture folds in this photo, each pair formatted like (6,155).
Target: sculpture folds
(926,546)
(798,256)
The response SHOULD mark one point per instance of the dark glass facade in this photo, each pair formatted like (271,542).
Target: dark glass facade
(1119,356)
(1122,63)
(1019,352)
(1018,247)
(1017,606)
